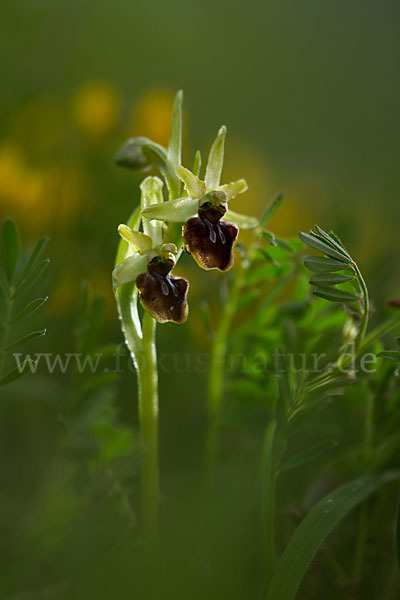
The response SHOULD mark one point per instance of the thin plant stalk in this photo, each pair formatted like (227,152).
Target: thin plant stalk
(148,415)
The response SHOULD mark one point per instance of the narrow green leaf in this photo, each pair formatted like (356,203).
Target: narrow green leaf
(320,264)
(309,454)
(25,339)
(323,247)
(16,373)
(9,247)
(29,310)
(271,210)
(390,355)
(175,136)
(333,241)
(335,295)
(215,161)
(33,275)
(269,237)
(314,529)
(330,279)
(36,252)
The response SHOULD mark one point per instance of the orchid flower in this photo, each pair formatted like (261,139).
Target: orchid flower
(205,235)
(149,263)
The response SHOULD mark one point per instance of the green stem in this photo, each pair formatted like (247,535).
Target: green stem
(148,415)
(268,497)
(362,525)
(364,322)
(142,346)
(218,359)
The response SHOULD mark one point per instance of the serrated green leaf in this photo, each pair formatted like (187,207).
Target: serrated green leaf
(9,247)
(320,264)
(390,355)
(330,279)
(322,247)
(16,373)
(31,278)
(36,252)
(29,310)
(271,210)
(25,339)
(309,454)
(314,529)
(335,295)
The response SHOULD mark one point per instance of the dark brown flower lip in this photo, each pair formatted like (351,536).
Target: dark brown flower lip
(394,303)
(162,295)
(210,242)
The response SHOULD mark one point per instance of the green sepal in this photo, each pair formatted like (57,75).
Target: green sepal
(241,221)
(215,161)
(129,269)
(176,211)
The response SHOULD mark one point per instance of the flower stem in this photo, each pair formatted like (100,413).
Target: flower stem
(142,347)
(148,415)
(362,525)
(268,497)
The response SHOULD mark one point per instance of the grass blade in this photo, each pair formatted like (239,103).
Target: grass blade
(272,210)
(314,529)
(307,455)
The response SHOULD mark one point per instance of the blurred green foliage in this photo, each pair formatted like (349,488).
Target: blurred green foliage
(310,93)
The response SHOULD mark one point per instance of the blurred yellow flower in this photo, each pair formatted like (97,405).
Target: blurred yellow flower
(96,108)
(41,197)
(151,117)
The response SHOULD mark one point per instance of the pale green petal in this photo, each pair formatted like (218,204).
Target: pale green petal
(241,221)
(152,194)
(193,185)
(178,211)
(233,189)
(215,161)
(141,242)
(129,269)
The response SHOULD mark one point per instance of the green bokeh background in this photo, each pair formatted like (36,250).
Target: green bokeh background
(310,92)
